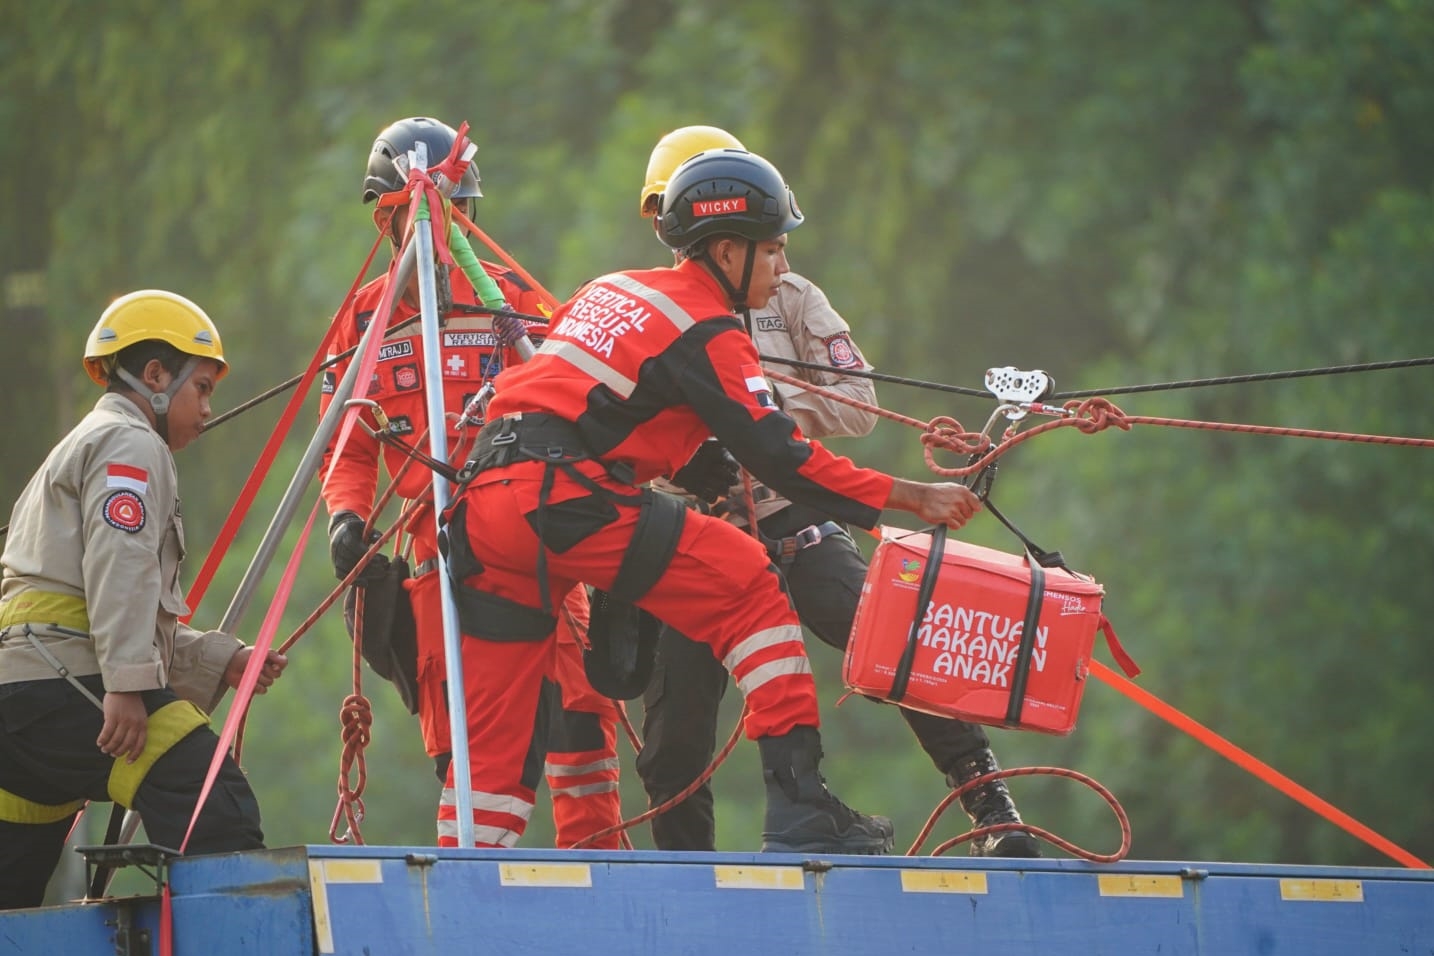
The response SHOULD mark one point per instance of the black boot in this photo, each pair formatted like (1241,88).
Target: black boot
(988,805)
(802,814)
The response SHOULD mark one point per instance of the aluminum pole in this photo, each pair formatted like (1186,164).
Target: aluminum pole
(438,449)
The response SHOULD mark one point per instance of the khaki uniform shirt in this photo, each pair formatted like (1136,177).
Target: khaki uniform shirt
(800,323)
(100,521)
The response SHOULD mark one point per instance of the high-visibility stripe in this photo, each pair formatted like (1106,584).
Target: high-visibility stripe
(16,809)
(786,667)
(771,637)
(167,727)
(38,608)
(490,836)
(591,365)
(574,770)
(584,789)
(661,301)
(490,803)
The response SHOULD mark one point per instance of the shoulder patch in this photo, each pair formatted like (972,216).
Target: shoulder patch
(128,477)
(406,378)
(756,383)
(841,351)
(124,510)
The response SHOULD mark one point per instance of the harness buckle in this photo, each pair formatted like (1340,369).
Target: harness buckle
(808,537)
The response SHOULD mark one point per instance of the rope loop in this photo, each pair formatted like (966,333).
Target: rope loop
(947,433)
(356,717)
(1096,414)
(1122,819)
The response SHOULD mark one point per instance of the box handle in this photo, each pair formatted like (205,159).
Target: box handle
(923,598)
(1017,703)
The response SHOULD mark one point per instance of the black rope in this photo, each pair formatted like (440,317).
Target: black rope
(878,376)
(285,386)
(282,387)
(490,310)
(1116,390)
(1253,377)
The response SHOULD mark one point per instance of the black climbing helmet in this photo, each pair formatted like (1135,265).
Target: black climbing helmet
(722,192)
(382,176)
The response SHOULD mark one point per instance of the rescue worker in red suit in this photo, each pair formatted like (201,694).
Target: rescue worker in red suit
(639,369)
(820,563)
(581,764)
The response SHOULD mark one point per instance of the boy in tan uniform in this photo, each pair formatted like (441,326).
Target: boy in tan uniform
(104,694)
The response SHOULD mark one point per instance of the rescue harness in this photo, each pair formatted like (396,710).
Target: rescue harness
(622,638)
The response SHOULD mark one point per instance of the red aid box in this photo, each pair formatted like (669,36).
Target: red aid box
(969,656)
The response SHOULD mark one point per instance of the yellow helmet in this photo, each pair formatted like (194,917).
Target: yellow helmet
(151,314)
(672,151)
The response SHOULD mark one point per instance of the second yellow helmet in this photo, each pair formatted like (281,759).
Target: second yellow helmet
(672,151)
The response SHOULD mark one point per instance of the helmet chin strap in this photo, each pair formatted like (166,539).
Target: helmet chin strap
(736,294)
(159,401)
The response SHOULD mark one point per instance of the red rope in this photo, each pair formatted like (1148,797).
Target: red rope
(1089,416)
(1044,834)
(1250,764)
(666,805)
(270,451)
(356,716)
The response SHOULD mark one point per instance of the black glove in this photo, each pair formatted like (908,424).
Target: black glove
(711,472)
(347,546)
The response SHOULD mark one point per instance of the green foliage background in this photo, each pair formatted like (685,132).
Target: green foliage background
(1118,192)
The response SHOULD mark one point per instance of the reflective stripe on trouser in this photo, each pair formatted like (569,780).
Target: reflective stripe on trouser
(167,726)
(505,685)
(16,809)
(582,768)
(580,807)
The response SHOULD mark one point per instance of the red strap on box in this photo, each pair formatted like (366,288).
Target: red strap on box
(1117,651)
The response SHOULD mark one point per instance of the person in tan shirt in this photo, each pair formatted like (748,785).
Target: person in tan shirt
(99,679)
(819,561)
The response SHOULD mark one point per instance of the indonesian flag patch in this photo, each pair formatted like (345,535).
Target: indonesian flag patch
(127,477)
(756,383)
